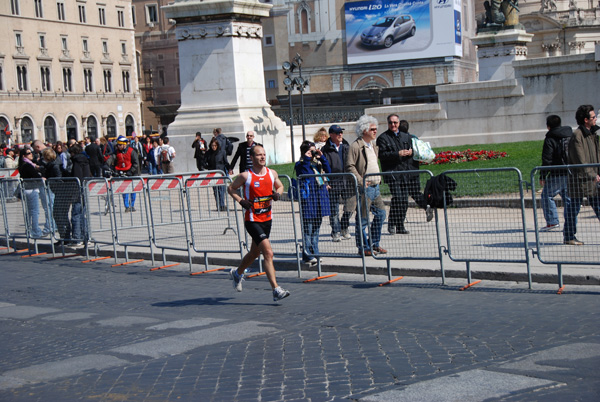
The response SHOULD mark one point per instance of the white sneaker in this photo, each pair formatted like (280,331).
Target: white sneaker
(280,293)
(237,279)
(335,237)
(550,227)
(345,234)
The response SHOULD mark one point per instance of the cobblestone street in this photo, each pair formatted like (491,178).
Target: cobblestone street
(74,331)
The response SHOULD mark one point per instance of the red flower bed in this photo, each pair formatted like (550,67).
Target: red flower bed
(466,156)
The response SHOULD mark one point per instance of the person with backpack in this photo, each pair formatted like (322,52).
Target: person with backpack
(125,163)
(554,153)
(166,156)
(224,142)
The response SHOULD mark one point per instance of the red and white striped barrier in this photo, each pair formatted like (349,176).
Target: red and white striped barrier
(127,186)
(9,173)
(205,181)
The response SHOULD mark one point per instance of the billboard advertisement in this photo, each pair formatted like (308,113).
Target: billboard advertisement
(388,30)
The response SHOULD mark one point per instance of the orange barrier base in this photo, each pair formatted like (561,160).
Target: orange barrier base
(206,272)
(469,285)
(33,255)
(164,266)
(318,277)
(560,290)
(390,281)
(62,256)
(126,263)
(16,252)
(257,274)
(96,259)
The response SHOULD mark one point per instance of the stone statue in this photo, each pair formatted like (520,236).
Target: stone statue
(501,13)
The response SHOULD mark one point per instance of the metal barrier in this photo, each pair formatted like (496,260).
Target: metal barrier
(319,239)
(550,240)
(66,195)
(14,215)
(35,195)
(490,224)
(213,217)
(100,226)
(9,174)
(168,215)
(130,217)
(286,221)
(409,235)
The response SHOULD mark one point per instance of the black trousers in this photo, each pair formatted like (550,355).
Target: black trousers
(400,191)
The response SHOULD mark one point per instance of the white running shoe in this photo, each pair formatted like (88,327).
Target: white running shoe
(237,279)
(280,293)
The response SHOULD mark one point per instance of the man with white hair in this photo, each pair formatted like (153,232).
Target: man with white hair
(362,160)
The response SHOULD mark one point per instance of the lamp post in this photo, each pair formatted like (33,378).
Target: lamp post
(289,87)
(296,83)
(301,84)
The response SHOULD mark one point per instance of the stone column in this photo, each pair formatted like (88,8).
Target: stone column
(222,77)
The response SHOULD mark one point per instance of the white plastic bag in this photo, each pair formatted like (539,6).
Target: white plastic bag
(422,151)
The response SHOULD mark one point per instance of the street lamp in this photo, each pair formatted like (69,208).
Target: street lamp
(289,87)
(301,84)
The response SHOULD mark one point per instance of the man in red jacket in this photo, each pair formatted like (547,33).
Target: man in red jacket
(125,163)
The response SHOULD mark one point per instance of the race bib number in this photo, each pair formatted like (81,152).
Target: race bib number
(262,205)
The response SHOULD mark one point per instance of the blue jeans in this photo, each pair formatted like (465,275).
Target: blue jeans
(77,221)
(128,200)
(219,192)
(33,211)
(152,169)
(571,215)
(371,194)
(554,185)
(310,236)
(49,223)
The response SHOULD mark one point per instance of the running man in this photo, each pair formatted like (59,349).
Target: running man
(258,184)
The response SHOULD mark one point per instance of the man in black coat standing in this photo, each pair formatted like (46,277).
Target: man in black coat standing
(336,152)
(243,153)
(94,152)
(396,154)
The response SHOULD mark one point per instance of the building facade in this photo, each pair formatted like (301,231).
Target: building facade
(67,70)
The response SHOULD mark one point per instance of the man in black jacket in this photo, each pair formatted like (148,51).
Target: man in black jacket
(94,152)
(243,153)
(336,152)
(395,154)
(554,181)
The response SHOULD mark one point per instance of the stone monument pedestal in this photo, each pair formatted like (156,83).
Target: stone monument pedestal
(222,79)
(497,49)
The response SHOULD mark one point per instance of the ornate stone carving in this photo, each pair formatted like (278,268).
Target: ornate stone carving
(237,29)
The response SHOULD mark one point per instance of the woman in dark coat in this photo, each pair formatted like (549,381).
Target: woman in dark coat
(314,197)
(31,188)
(216,159)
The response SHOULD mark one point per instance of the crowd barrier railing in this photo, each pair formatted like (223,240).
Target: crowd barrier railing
(486,222)
(14,214)
(422,239)
(65,197)
(552,208)
(320,234)
(37,199)
(9,173)
(168,215)
(98,213)
(284,231)
(131,217)
(214,224)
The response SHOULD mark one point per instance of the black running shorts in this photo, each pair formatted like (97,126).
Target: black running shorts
(259,231)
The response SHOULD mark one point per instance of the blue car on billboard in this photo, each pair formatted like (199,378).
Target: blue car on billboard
(387,30)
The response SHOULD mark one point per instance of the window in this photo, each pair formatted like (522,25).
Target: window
(177,76)
(124,48)
(126,87)
(271,84)
(60,10)
(107,81)
(268,40)
(88,80)
(161,77)
(84,45)
(105,46)
(111,126)
(67,79)
(42,42)
(133,15)
(1,79)
(151,13)
(26,130)
(71,128)
(92,127)
(82,13)
(121,18)
(45,78)
(101,16)
(22,78)
(18,39)
(64,43)
(50,130)
(14,7)
(39,13)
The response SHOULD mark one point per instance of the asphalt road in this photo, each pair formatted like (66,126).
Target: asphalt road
(73,331)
